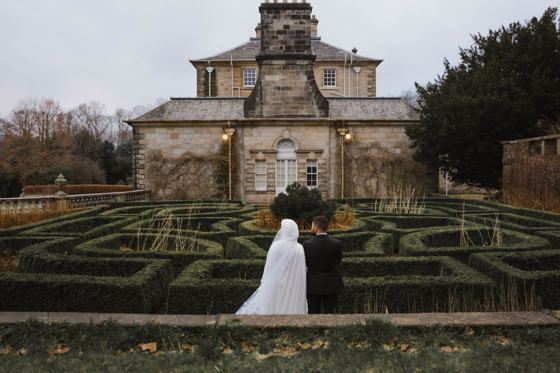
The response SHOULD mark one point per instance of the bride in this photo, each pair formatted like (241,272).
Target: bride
(283,283)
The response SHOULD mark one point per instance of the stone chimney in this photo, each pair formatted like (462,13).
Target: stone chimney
(314,23)
(286,86)
(258,31)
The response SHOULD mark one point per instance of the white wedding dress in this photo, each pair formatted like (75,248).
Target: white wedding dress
(283,283)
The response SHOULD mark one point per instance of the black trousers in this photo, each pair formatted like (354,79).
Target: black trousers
(329,302)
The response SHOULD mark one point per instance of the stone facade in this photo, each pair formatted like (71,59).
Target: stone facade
(354,75)
(288,129)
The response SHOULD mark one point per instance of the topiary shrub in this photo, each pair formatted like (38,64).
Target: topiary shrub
(301,204)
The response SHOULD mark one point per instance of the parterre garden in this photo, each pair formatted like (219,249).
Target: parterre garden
(207,257)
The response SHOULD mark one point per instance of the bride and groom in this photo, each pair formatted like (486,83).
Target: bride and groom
(298,279)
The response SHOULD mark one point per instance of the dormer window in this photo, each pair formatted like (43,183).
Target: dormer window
(249,77)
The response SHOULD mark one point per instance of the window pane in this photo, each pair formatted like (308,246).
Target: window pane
(280,173)
(329,77)
(292,172)
(260,174)
(311,173)
(249,77)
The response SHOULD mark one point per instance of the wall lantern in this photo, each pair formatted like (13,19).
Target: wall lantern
(345,136)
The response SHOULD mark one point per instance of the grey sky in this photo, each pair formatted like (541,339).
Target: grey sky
(124,53)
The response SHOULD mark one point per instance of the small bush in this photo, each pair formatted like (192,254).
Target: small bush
(301,204)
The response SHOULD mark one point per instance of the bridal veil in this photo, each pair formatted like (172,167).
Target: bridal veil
(283,283)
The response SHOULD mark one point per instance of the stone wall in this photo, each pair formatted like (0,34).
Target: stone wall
(178,161)
(366,84)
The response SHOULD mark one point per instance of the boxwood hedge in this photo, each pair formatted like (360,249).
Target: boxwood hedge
(142,292)
(532,273)
(446,241)
(407,284)
(127,245)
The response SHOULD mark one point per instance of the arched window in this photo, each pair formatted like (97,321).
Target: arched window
(286,165)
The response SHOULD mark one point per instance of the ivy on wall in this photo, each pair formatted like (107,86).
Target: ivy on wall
(372,170)
(192,176)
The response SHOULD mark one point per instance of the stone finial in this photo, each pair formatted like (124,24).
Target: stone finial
(59,182)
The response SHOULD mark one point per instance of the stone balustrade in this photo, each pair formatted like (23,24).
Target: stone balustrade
(72,201)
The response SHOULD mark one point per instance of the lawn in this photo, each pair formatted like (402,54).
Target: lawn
(374,347)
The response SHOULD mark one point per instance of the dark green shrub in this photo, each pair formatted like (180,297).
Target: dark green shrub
(301,204)
(529,276)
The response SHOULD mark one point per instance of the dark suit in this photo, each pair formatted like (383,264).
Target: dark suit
(322,256)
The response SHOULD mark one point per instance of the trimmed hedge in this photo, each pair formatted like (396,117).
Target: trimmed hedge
(247,247)
(249,228)
(55,257)
(533,273)
(353,244)
(19,243)
(13,231)
(446,242)
(77,189)
(221,286)
(110,246)
(552,235)
(87,227)
(517,222)
(142,292)
(400,225)
(217,229)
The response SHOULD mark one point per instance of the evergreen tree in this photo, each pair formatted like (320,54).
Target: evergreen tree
(301,204)
(504,85)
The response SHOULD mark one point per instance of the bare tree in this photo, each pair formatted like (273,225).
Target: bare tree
(91,118)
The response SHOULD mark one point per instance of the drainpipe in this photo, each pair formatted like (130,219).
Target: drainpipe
(344,74)
(350,76)
(231,64)
(357,69)
(209,69)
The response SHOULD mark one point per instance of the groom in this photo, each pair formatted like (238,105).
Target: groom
(322,256)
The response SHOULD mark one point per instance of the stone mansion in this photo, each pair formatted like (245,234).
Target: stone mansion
(283,107)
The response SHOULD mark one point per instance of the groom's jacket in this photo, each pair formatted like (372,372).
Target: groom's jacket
(322,256)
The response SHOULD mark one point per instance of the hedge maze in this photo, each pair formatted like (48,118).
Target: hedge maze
(207,257)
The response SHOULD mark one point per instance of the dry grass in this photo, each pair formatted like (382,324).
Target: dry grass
(491,238)
(170,234)
(400,200)
(9,261)
(533,182)
(20,215)
(342,219)
(507,297)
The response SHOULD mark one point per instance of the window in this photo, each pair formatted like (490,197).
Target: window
(329,77)
(260,174)
(249,77)
(311,173)
(286,165)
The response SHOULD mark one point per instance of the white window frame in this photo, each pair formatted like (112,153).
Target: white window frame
(260,175)
(249,77)
(286,165)
(314,174)
(329,77)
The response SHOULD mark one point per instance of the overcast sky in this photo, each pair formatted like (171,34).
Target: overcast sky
(124,53)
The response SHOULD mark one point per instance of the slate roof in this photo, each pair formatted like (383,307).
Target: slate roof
(323,52)
(223,109)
